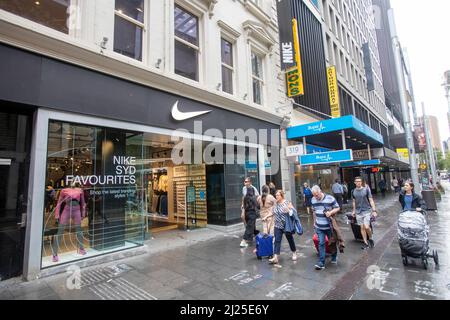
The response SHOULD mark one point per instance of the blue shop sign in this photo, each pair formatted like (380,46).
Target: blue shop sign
(326,157)
(252,165)
(363,163)
(333,125)
(315,149)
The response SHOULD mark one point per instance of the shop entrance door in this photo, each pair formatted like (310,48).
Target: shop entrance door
(15,141)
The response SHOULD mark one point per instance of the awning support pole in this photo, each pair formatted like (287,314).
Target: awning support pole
(344,144)
(368,150)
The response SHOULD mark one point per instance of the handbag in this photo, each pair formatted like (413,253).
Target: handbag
(298,227)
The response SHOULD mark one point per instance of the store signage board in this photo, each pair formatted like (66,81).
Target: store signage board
(364,154)
(253,165)
(362,163)
(333,125)
(294,151)
(333,92)
(403,154)
(293,82)
(284,10)
(326,157)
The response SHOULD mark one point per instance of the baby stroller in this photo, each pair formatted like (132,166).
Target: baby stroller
(413,239)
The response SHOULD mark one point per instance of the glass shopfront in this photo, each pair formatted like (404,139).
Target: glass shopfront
(93,194)
(107,189)
(313,175)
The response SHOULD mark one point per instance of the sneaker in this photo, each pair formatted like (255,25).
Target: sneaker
(319,266)
(244,244)
(365,246)
(274,260)
(82,251)
(55,258)
(294,256)
(371,243)
(334,260)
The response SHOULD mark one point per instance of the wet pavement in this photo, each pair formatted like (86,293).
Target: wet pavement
(215,268)
(391,280)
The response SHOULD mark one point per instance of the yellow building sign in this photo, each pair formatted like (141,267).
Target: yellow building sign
(293,82)
(403,154)
(294,76)
(334,92)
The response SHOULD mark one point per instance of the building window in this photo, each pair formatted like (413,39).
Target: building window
(50,13)
(257,78)
(186,44)
(129,28)
(227,66)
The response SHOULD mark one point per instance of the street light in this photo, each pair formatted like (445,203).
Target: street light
(402,89)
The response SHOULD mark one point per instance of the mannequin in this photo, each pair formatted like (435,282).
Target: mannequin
(71,206)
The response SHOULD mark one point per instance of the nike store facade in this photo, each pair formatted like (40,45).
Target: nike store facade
(105,163)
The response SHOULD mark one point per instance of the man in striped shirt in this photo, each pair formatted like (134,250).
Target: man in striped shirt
(324,206)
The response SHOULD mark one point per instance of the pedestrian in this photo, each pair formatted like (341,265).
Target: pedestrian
(364,209)
(338,192)
(345,195)
(394,184)
(247,184)
(351,186)
(410,200)
(382,186)
(273,189)
(282,210)
(324,207)
(250,209)
(400,184)
(266,202)
(307,197)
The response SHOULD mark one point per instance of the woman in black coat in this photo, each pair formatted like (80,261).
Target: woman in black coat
(410,200)
(251,207)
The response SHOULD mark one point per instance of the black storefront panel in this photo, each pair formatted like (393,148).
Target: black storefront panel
(32,79)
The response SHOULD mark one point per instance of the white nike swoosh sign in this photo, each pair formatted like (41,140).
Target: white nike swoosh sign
(180,116)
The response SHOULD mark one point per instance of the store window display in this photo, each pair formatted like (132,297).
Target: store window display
(160,182)
(94,194)
(71,208)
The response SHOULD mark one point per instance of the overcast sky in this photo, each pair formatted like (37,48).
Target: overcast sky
(424,29)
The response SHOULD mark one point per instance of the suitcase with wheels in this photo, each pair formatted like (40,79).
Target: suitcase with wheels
(316,243)
(356,228)
(264,245)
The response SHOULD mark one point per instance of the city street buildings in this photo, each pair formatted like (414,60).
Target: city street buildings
(109,96)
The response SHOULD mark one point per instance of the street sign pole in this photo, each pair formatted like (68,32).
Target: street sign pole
(403,101)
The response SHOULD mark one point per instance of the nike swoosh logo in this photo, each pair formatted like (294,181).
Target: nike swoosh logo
(180,116)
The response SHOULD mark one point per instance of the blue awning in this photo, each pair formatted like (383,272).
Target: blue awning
(362,163)
(327,133)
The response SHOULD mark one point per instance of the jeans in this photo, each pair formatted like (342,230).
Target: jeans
(322,250)
(279,236)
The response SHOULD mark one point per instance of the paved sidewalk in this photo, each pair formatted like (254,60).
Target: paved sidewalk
(392,280)
(206,265)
